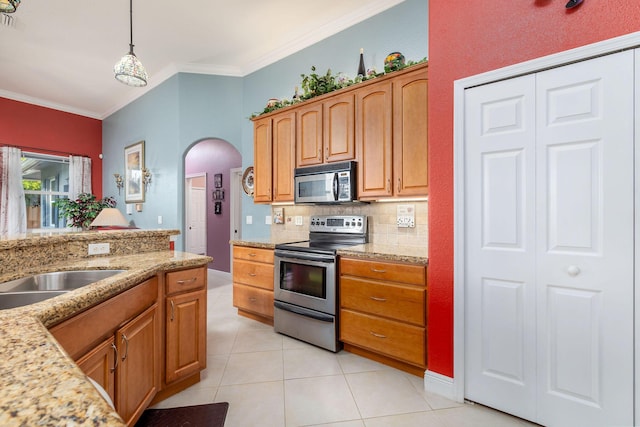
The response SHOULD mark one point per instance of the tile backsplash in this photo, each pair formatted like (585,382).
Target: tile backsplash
(382,217)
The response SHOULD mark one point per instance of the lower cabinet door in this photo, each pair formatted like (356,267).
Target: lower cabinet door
(138,371)
(186,333)
(100,365)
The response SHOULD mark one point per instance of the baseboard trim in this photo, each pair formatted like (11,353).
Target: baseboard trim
(441,385)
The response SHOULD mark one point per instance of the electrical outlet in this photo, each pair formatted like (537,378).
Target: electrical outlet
(99,248)
(267,219)
(249,219)
(159,219)
(298,220)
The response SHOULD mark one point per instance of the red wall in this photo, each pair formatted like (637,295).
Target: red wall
(468,38)
(26,125)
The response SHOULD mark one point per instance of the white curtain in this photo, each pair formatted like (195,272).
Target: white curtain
(79,176)
(13,211)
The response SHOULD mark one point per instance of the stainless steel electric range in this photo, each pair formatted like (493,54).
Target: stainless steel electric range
(306,283)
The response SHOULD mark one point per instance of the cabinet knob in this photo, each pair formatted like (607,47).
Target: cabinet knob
(573,271)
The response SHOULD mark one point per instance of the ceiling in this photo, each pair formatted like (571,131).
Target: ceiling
(61,54)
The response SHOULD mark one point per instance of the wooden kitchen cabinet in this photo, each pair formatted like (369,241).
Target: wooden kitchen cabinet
(326,131)
(99,364)
(117,343)
(383,312)
(339,128)
(185,323)
(284,156)
(274,140)
(138,370)
(380,123)
(262,160)
(253,283)
(309,134)
(410,147)
(374,143)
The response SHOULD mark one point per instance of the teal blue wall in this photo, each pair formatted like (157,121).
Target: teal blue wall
(189,107)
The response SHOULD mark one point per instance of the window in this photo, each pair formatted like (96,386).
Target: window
(45,179)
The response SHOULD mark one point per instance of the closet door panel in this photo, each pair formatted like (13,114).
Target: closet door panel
(585,242)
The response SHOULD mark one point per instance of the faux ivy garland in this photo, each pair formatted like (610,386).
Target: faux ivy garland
(318,84)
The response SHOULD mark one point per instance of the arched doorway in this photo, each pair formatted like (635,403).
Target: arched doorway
(208,198)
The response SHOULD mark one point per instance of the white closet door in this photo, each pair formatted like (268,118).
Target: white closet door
(585,242)
(500,245)
(549,244)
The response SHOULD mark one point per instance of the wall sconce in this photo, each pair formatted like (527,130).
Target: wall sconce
(146,178)
(119,181)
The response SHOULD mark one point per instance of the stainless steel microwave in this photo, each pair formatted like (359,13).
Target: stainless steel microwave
(331,183)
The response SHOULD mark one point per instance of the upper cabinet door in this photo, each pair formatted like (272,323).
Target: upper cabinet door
(309,135)
(374,140)
(410,148)
(262,160)
(339,128)
(284,156)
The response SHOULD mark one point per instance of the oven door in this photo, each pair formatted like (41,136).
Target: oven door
(306,280)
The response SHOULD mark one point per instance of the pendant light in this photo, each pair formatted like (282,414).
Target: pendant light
(129,70)
(9,6)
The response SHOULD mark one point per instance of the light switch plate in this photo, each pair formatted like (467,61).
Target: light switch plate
(267,219)
(298,220)
(249,219)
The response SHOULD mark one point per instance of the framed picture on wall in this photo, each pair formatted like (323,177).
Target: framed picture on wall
(217,180)
(133,164)
(218,194)
(217,208)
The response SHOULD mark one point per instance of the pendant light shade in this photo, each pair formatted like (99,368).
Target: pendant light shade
(9,6)
(129,70)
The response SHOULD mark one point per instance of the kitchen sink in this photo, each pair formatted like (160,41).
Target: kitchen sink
(57,281)
(18,299)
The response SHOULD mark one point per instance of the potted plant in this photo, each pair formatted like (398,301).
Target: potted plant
(80,212)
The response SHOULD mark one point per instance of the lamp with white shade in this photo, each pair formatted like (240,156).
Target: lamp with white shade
(110,217)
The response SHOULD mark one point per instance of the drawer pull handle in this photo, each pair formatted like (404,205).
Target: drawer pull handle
(173,308)
(379,299)
(252,274)
(253,299)
(377,270)
(125,340)
(252,254)
(184,282)
(377,335)
(115,351)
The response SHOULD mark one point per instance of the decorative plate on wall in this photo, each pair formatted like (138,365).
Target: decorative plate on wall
(247,181)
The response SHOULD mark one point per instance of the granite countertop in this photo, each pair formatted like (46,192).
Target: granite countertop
(39,383)
(393,253)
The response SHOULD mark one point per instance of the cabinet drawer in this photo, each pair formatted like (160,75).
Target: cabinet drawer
(185,280)
(253,273)
(405,273)
(253,254)
(253,300)
(394,339)
(403,303)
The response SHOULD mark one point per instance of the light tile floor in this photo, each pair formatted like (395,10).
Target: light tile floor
(273,380)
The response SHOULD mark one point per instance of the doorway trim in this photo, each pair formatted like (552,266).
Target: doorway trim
(235,210)
(454,388)
(187,207)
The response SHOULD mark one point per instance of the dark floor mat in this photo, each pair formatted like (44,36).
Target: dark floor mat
(211,415)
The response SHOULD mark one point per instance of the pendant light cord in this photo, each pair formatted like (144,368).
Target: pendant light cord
(131,27)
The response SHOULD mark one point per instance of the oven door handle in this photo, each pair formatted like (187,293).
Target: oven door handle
(304,312)
(283,255)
